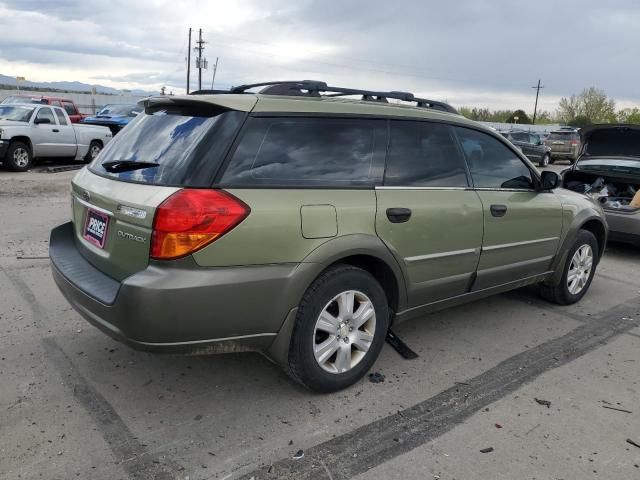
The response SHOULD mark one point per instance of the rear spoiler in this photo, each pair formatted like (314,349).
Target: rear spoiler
(242,103)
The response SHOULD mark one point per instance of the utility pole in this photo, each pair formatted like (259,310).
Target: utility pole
(189,61)
(535,109)
(215,69)
(200,61)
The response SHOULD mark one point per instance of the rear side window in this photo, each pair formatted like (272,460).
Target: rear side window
(187,144)
(493,164)
(60,115)
(321,152)
(424,154)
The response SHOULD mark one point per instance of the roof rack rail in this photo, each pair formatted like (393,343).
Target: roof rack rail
(313,88)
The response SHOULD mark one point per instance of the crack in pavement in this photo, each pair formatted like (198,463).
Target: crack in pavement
(375,443)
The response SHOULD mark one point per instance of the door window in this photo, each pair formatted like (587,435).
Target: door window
(70,108)
(424,154)
(492,163)
(44,113)
(60,115)
(323,152)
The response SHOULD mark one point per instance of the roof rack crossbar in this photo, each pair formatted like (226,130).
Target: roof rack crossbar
(315,87)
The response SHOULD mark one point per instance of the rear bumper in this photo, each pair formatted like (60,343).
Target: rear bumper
(569,155)
(178,307)
(624,227)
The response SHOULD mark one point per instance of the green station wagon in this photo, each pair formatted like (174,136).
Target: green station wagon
(303,223)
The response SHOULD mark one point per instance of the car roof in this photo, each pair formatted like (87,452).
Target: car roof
(264,103)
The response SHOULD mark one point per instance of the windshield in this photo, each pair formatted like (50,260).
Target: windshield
(16,113)
(178,147)
(124,110)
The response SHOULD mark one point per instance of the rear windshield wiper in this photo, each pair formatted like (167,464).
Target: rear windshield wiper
(127,165)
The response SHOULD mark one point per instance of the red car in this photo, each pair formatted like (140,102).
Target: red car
(66,103)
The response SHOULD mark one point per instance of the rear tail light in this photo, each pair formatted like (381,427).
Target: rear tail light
(191,219)
(574,142)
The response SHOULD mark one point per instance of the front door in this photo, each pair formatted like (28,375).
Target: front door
(427,214)
(44,136)
(522,226)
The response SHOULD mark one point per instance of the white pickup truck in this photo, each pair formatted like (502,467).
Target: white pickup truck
(29,131)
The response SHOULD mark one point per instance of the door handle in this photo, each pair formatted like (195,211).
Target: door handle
(55,130)
(498,210)
(398,215)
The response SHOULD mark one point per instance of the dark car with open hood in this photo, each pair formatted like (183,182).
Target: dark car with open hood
(609,168)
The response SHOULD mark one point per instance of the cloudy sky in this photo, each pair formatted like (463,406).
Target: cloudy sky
(468,52)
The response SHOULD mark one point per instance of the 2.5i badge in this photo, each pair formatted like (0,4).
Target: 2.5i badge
(95,227)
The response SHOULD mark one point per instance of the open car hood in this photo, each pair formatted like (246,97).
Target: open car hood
(610,140)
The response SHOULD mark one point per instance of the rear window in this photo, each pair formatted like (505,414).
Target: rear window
(187,144)
(564,136)
(308,152)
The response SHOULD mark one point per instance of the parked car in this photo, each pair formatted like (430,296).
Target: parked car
(29,131)
(564,144)
(66,103)
(531,144)
(303,225)
(609,168)
(115,116)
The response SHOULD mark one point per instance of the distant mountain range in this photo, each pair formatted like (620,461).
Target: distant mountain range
(75,87)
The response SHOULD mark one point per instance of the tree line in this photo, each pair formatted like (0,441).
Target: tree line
(589,107)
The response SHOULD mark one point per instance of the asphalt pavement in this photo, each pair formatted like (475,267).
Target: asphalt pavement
(510,387)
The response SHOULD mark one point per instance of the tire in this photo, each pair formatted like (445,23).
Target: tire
(18,157)
(347,341)
(546,159)
(94,149)
(563,293)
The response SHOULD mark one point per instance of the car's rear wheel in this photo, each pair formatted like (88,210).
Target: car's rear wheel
(340,328)
(578,272)
(95,147)
(546,159)
(18,157)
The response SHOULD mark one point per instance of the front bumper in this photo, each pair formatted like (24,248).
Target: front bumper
(178,307)
(4,146)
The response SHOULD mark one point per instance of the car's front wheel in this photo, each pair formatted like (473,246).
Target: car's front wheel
(579,269)
(18,157)
(340,329)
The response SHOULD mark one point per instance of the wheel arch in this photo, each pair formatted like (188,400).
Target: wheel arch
(361,250)
(24,139)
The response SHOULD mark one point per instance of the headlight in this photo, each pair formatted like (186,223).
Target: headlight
(0,133)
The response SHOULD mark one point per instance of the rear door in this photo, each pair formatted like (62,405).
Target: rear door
(521,225)
(427,213)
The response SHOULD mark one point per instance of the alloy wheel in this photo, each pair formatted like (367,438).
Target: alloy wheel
(580,269)
(344,331)
(20,157)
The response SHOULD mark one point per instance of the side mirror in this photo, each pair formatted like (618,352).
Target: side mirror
(549,180)
(39,121)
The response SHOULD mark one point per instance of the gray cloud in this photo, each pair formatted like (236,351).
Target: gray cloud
(473,52)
